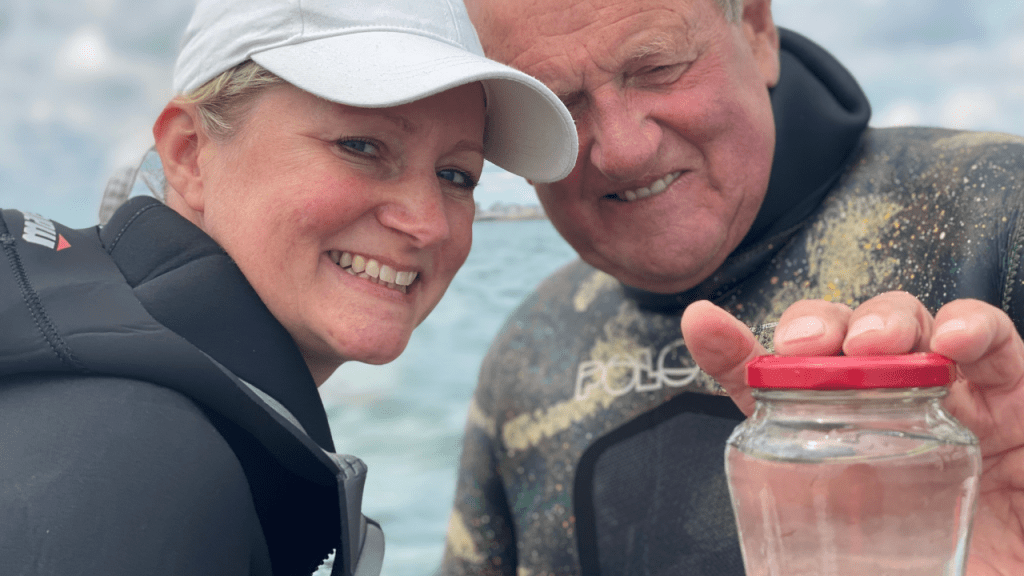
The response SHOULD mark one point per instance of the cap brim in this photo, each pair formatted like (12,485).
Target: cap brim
(529,132)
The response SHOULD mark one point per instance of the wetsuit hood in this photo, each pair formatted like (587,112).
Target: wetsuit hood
(820,114)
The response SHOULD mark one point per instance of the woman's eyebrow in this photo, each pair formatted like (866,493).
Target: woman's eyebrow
(403,123)
(468,145)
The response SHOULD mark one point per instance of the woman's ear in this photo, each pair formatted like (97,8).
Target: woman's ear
(179,139)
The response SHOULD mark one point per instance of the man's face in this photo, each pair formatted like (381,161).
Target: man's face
(675,123)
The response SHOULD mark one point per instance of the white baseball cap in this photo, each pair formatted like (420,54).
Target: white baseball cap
(382,53)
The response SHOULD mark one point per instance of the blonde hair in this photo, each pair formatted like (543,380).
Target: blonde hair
(223,104)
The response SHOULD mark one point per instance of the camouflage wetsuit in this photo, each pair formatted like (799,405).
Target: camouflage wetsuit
(593,446)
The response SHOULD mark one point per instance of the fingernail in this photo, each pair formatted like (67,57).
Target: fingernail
(957,325)
(800,328)
(868,323)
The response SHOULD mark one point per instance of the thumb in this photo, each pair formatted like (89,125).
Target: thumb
(721,346)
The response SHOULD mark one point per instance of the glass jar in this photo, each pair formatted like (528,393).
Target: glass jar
(850,466)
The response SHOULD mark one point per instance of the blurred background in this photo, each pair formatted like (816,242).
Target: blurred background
(81,82)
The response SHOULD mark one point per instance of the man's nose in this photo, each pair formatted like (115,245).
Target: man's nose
(625,139)
(416,207)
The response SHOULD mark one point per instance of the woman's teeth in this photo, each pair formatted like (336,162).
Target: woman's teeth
(657,187)
(370,269)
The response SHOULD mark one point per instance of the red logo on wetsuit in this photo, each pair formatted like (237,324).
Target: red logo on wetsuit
(41,231)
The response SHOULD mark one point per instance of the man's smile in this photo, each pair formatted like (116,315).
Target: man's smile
(655,188)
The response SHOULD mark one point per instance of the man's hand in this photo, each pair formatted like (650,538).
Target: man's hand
(987,397)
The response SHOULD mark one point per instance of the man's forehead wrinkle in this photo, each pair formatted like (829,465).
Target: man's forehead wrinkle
(551,51)
(594,59)
(649,40)
(515,25)
(570,44)
(499,25)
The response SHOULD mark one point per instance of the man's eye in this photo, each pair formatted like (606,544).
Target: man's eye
(663,74)
(457,177)
(360,146)
(575,103)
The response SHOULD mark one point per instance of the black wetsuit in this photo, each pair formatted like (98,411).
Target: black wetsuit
(594,445)
(154,417)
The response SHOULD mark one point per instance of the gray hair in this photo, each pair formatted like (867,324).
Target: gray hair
(733,9)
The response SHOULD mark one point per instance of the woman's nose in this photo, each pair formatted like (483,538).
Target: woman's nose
(416,207)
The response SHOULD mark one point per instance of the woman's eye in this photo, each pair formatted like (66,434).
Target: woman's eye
(360,146)
(457,177)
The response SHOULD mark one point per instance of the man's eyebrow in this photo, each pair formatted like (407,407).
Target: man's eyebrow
(657,45)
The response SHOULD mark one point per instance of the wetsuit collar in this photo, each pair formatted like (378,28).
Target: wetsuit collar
(188,283)
(820,114)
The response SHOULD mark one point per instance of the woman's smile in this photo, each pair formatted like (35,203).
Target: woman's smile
(373,271)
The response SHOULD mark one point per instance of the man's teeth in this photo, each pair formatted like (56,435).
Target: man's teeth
(657,187)
(370,269)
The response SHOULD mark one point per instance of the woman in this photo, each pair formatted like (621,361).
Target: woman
(158,374)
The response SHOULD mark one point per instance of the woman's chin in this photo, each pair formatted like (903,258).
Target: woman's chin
(373,351)
(377,360)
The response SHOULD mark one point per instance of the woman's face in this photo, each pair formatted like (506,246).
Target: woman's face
(348,222)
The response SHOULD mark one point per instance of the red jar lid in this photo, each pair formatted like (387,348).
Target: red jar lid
(850,372)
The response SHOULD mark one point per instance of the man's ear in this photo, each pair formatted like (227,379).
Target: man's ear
(178,142)
(759,29)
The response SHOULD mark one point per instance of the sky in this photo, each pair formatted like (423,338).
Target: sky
(83,80)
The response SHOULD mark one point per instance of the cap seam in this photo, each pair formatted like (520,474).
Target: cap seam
(358,30)
(453,21)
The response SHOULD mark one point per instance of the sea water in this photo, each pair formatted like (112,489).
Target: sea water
(405,419)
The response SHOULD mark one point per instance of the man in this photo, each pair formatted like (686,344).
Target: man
(720,159)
